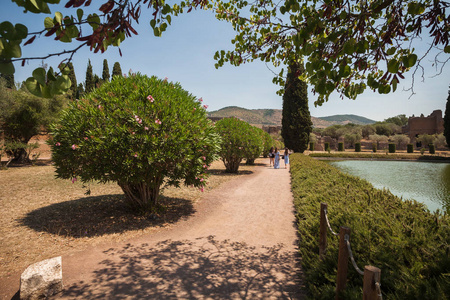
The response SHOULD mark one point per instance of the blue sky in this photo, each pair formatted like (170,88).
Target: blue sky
(185,54)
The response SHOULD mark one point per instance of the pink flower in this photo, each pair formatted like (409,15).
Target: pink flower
(201,99)
(157,121)
(204,158)
(205,166)
(202,189)
(74,147)
(201,179)
(205,106)
(99,107)
(58,144)
(146,128)
(86,138)
(74,179)
(195,108)
(150,98)
(135,155)
(133,133)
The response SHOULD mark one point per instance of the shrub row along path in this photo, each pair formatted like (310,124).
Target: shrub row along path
(241,243)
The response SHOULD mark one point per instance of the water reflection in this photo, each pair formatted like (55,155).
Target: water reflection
(425,182)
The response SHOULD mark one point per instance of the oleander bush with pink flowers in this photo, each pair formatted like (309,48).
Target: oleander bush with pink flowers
(141,132)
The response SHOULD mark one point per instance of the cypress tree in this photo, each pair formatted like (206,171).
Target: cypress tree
(73,80)
(117,70)
(296,121)
(97,81)
(105,74)
(80,90)
(447,121)
(89,83)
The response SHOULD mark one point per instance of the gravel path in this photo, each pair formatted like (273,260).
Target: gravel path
(241,243)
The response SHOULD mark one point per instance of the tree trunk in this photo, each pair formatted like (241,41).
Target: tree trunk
(142,196)
(232,165)
(20,156)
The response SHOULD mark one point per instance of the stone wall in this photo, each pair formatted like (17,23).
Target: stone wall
(272,129)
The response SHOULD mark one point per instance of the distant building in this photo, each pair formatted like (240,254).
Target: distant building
(271,129)
(433,124)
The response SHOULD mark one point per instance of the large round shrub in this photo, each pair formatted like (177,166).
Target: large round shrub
(137,131)
(268,143)
(238,142)
(254,145)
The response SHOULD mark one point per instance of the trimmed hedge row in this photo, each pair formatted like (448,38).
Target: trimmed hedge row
(408,243)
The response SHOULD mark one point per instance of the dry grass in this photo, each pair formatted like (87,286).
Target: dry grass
(42,217)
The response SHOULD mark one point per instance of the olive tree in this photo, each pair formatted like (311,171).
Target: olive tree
(23,116)
(133,131)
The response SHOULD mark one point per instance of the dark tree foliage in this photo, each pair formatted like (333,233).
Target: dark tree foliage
(117,70)
(80,90)
(296,122)
(73,79)
(447,121)
(97,81)
(105,74)
(89,83)
(9,80)
(22,116)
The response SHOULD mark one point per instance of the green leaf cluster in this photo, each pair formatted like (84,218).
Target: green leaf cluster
(136,131)
(401,237)
(48,84)
(11,37)
(347,48)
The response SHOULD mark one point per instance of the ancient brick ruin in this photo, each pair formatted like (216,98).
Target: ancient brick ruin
(433,124)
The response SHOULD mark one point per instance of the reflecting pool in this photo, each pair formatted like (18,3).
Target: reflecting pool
(425,182)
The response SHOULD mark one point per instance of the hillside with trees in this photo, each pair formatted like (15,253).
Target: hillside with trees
(261,117)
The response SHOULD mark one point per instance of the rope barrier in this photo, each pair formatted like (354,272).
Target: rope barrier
(346,238)
(328,223)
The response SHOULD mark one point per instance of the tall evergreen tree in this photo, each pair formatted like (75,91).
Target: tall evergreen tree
(447,121)
(296,122)
(80,90)
(89,83)
(97,81)
(105,74)
(117,70)
(73,79)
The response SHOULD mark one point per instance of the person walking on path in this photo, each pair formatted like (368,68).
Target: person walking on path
(286,157)
(276,163)
(271,157)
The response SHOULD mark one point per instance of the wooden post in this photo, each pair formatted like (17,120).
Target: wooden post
(342,262)
(323,231)
(372,275)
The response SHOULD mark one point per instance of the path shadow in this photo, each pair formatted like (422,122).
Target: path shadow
(197,269)
(107,214)
(221,172)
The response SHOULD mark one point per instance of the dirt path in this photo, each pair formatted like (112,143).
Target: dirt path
(240,244)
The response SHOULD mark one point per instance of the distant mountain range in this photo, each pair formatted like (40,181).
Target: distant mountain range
(259,117)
